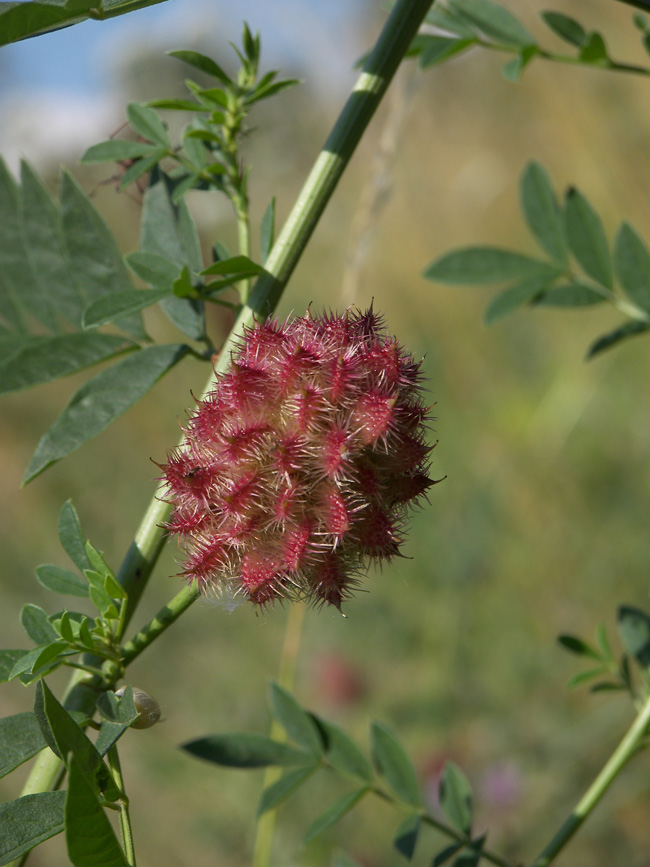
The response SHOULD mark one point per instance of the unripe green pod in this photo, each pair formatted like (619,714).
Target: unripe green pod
(148,708)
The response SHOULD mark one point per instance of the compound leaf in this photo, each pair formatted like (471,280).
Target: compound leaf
(101,400)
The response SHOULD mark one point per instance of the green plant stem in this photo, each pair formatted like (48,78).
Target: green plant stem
(244,236)
(378,70)
(631,742)
(571,59)
(158,624)
(286,678)
(125,819)
(399,29)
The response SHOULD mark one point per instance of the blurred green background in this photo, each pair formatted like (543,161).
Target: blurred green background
(540,528)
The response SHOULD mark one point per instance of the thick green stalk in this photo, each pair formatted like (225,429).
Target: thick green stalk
(615,764)
(378,70)
(164,619)
(399,29)
(286,678)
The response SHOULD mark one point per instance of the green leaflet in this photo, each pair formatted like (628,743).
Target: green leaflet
(20,739)
(22,20)
(244,750)
(297,723)
(542,213)
(455,796)
(169,232)
(391,761)
(43,359)
(333,814)
(28,821)
(101,400)
(98,265)
(587,238)
(473,266)
(89,834)
(20,295)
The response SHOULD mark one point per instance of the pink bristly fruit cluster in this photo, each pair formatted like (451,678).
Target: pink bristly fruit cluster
(298,469)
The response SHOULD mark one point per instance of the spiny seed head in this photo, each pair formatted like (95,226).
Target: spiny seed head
(299,467)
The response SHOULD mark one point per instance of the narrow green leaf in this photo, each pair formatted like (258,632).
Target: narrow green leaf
(20,295)
(449,19)
(270,90)
(333,814)
(513,68)
(406,836)
(565,27)
(634,631)
(632,263)
(156,270)
(141,167)
(98,268)
(195,151)
(472,854)
(606,341)
(394,765)
(297,723)
(101,400)
(8,661)
(23,20)
(20,739)
(35,623)
(494,21)
(183,286)
(585,676)
(44,359)
(542,212)
(477,265)
(267,231)
(164,232)
(64,737)
(455,796)
(607,686)
(189,237)
(436,49)
(65,628)
(43,238)
(71,536)
(587,238)
(246,750)
(200,61)
(118,714)
(342,752)
(146,122)
(284,787)
(446,854)
(39,661)
(174,104)
(235,265)
(513,298)
(116,150)
(89,835)
(603,642)
(594,51)
(85,638)
(28,821)
(574,294)
(112,307)
(98,596)
(578,646)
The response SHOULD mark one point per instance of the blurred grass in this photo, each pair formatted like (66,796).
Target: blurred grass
(540,527)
